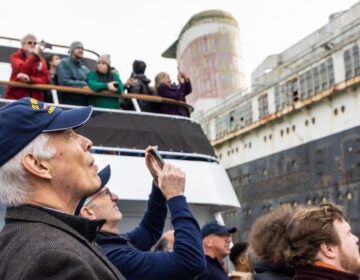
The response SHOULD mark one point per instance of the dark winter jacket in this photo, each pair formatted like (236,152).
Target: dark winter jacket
(131,255)
(38,243)
(177,92)
(72,73)
(312,272)
(213,271)
(264,271)
(141,87)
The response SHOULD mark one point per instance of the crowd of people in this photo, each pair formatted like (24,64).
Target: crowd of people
(29,66)
(63,221)
(62,213)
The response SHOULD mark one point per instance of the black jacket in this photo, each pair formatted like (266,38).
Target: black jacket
(264,271)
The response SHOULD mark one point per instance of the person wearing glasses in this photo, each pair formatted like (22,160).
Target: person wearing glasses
(216,240)
(130,252)
(28,66)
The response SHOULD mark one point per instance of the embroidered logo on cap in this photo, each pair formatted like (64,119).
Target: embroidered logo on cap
(46,107)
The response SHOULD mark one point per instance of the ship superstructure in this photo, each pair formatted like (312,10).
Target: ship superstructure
(295,137)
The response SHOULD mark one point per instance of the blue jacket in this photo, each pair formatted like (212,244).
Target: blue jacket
(72,73)
(213,271)
(131,255)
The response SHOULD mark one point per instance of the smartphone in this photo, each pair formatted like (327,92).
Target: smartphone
(160,161)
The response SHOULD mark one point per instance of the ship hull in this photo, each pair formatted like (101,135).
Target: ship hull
(319,171)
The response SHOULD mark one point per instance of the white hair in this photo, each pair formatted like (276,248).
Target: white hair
(14,183)
(28,37)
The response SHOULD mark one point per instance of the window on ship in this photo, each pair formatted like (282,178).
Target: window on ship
(316,80)
(348,66)
(330,67)
(356,58)
(263,105)
(323,76)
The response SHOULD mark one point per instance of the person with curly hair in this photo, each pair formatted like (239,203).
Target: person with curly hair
(267,243)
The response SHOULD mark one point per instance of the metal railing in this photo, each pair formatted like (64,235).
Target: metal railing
(133,96)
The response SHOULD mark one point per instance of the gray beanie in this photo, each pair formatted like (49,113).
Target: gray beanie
(74,45)
(105,58)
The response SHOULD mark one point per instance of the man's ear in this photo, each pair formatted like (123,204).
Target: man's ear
(37,167)
(207,241)
(87,212)
(328,250)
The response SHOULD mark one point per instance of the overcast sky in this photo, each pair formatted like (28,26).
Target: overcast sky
(144,29)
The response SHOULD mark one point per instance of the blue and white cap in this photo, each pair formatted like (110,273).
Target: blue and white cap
(23,120)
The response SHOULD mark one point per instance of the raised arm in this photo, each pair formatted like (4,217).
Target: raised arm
(187,260)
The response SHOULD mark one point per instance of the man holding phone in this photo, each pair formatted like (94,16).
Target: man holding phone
(158,158)
(130,252)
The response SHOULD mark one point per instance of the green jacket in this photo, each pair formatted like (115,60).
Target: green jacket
(98,86)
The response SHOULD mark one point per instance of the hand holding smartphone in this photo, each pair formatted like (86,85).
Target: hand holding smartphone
(158,158)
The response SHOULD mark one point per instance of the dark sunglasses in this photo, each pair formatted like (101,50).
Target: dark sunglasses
(31,43)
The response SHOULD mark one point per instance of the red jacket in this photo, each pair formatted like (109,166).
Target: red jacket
(32,65)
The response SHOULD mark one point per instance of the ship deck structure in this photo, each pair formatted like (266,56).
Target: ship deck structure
(295,136)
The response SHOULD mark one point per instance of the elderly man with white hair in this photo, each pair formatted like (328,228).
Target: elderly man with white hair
(45,170)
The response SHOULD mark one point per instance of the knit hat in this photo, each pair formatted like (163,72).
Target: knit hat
(139,67)
(74,45)
(105,58)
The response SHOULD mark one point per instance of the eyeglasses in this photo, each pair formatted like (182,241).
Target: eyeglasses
(106,192)
(31,43)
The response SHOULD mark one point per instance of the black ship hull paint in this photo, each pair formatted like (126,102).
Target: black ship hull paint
(323,170)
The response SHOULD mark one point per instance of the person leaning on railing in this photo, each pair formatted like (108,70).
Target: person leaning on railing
(72,72)
(141,86)
(52,61)
(103,78)
(89,92)
(165,88)
(29,67)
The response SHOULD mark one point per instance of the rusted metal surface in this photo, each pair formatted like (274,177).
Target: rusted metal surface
(323,170)
(336,89)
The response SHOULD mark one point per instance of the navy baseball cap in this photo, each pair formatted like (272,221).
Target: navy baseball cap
(23,120)
(214,227)
(104,175)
